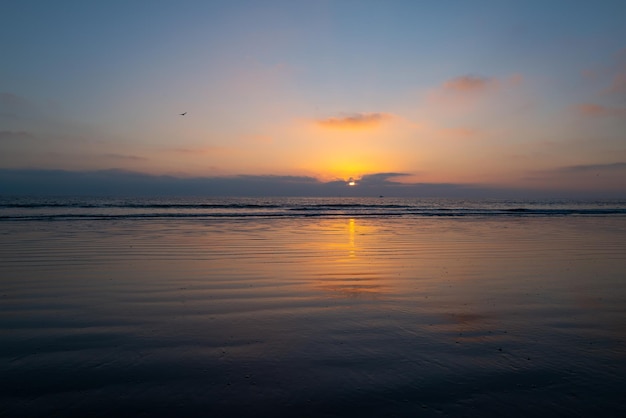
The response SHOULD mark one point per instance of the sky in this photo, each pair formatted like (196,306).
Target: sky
(300,97)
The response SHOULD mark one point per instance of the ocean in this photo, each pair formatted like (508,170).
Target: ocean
(15,208)
(312,307)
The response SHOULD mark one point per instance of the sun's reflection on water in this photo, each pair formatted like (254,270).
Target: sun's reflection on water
(344,272)
(351,229)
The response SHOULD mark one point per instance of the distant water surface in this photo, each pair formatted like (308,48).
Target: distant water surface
(312,307)
(12,208)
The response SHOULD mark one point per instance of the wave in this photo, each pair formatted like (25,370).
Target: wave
(135,205)
(318,213)
(121,208)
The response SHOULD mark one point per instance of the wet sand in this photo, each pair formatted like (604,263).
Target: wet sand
(314,317)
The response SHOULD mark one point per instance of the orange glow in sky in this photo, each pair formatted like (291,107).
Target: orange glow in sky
(321,91)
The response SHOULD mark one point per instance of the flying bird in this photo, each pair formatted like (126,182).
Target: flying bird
(182,114)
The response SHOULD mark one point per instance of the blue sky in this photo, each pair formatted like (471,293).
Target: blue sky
(490,94)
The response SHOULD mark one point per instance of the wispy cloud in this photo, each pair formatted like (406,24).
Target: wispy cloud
(194,151)
(17,108)
(592,167)
(470,83)
(12,100)
(609,78)
(596,110)
(579,171)
(600,179)
(15,136)
(619,84)
(466,92)
(617,73)
(354,121)
(14,108)
(83,159)
(113,156)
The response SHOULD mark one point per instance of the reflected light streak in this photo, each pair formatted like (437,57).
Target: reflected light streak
(351,231)
(345,273)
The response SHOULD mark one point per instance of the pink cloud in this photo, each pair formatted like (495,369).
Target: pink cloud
(469,83)
(595,110)
(612,75)
(467,90)
(619,84)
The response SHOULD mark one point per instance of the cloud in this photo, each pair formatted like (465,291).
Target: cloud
(596,110)
(123,157)
(123,183)
(609,82)
(597,180)
(467,91)
(14,108)
(15,136)
(381,178)
(40,154)
(593,167)
(354,121)
(193,151)
(470,84)
(619,84)
(12,100)
(610,78)
(606,182)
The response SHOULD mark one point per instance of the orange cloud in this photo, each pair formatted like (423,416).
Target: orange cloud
(354,121)
(595,110)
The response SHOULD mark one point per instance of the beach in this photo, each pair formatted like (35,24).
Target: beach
(313,209)
(330,316)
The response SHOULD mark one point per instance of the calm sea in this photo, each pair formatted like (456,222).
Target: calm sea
(310,307)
